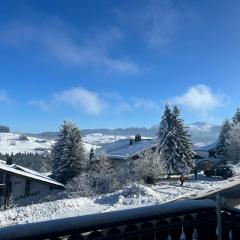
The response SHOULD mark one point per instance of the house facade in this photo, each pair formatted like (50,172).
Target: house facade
(23,186)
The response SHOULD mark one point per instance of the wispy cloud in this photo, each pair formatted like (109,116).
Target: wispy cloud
(78,98)
(95,103)
(155,21)
(4,97)
(66,44)
(200,98)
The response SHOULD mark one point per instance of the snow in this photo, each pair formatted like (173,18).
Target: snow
(201,126)
(133,196)
(121,149)
(32,231)
(11,143)
(100,139)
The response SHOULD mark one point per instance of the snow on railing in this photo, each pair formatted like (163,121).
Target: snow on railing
(192,219)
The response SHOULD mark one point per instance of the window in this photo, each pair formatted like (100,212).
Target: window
(8,185)
(27,188)
(1,177)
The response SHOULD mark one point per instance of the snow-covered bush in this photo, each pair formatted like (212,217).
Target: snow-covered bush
(101,177)
(148,167)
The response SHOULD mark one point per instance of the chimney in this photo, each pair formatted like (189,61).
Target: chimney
(9,161)
(131,141)
(138,138)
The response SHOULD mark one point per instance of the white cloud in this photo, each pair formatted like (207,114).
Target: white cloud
(95,103)
(81,98)
(78,98)
(200,98)
(65,44)
(146,104)
(4,97)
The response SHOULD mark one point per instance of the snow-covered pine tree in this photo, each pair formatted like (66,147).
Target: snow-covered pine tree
(175,143)
(183,154)
(165,134)
(68,154)
(236,117)
(223,142)
(165,124)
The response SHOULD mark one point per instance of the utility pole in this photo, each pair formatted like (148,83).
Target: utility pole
(115,138)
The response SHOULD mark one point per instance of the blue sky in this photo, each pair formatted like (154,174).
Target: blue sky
(115,63)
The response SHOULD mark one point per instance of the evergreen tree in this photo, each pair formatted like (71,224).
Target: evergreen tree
(175,143)
(68,153)
(166,144)
(183,154)
(223,142)
(165,125)
(236,117)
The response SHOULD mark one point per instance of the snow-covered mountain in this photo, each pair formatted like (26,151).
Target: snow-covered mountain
(202,133)
(15,143)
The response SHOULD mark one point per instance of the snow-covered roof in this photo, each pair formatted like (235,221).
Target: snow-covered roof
(122,149)
(28,173)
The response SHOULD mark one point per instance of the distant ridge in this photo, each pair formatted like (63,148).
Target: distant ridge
(200,132)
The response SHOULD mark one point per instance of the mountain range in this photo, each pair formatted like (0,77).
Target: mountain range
(200,132)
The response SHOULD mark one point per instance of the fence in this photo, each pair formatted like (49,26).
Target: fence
(190,219)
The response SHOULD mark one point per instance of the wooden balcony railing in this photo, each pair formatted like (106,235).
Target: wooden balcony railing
(191,219)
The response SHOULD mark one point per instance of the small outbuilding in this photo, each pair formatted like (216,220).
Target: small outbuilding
(23,185)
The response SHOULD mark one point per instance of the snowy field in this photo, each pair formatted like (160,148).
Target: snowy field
(133,196)
(100,139)
(12,143)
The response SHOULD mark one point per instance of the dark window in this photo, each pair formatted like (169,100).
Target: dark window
(27,188)
(1,177)
(8,185)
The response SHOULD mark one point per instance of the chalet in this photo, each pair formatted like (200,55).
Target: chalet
(23,185)
(123,150)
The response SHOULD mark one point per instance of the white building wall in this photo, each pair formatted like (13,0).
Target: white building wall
(37,190)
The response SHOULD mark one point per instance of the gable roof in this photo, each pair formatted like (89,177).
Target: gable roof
(121,149)
(28,173)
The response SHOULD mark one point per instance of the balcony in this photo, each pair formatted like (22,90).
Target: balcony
(192,219)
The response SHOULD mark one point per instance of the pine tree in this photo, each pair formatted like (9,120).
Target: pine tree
(236,117)
(223,142)
(68,153)
(175,143)
(166,144)
(183,154)
(165,124)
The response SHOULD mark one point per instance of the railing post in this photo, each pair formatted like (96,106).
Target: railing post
(220,202)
